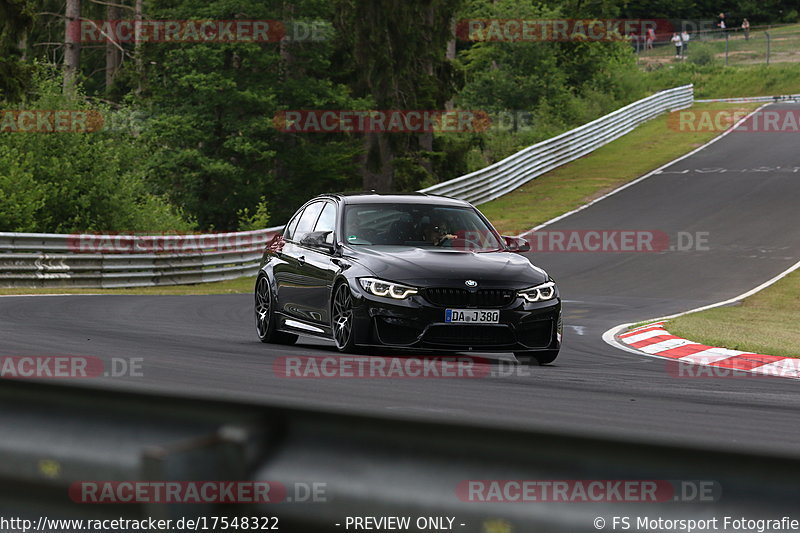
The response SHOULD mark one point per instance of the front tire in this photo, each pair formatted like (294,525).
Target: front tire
(265,318)
(342,323)
(539,358)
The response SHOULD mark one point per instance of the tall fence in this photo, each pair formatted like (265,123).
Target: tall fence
(36,260)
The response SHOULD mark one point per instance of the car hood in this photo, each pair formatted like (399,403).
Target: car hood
(424,267)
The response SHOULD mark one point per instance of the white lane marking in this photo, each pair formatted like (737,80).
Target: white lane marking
(668,344)
(646,335)
(578,329)
(792,170)
(713,355)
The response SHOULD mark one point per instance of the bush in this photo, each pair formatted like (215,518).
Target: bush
(78,182)
(259,219)
(702,54)
(21,197)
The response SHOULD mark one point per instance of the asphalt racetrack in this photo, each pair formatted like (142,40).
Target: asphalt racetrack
(740,196)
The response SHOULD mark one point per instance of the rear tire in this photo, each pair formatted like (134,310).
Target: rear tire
(537,358)
(265,318)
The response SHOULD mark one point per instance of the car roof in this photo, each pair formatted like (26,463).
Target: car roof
(396,198)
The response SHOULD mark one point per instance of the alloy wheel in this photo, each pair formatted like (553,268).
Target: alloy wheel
(342,317)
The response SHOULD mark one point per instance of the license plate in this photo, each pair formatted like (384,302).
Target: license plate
(472,316)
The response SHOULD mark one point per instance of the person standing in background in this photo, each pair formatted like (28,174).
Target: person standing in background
(721,22)
(685,42)
(651,36)
(676,40)
(746,29)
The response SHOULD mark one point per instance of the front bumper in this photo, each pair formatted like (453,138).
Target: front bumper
(418,323)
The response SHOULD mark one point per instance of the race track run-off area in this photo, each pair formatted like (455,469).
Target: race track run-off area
(734,205)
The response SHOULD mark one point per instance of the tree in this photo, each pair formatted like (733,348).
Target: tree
(213,107)
(114,50)
(72,46)
(395,54)
(16,19)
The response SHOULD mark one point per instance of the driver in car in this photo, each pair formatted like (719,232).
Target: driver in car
(359,232)
(438,233)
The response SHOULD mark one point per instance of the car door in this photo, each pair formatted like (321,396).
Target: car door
(290,277)
(320,268)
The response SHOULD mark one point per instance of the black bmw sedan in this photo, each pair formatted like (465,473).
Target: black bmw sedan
(405,271)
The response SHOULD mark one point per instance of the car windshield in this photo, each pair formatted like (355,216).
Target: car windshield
(418,225)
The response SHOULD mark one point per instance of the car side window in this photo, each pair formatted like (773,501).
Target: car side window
(307,221)
(327,221)
(291,226)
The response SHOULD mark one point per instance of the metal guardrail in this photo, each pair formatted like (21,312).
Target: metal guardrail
(38,260)
(504,176)
(775,99)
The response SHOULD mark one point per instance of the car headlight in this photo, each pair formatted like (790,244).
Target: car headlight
(389,289)
(539,293)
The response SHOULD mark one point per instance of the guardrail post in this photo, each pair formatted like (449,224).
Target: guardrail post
(766,33)
(727,40)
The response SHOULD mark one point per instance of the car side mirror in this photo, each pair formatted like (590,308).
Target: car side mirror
(517,244)
(275,244)
(318,239)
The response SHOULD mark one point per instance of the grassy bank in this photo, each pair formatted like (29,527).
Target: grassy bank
(234,286)
(764,323)
(733,82)
(719,81)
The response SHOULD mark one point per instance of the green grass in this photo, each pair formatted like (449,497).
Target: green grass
(717,81)
(654,143)
(764,323)
(760,80)
(234,286)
